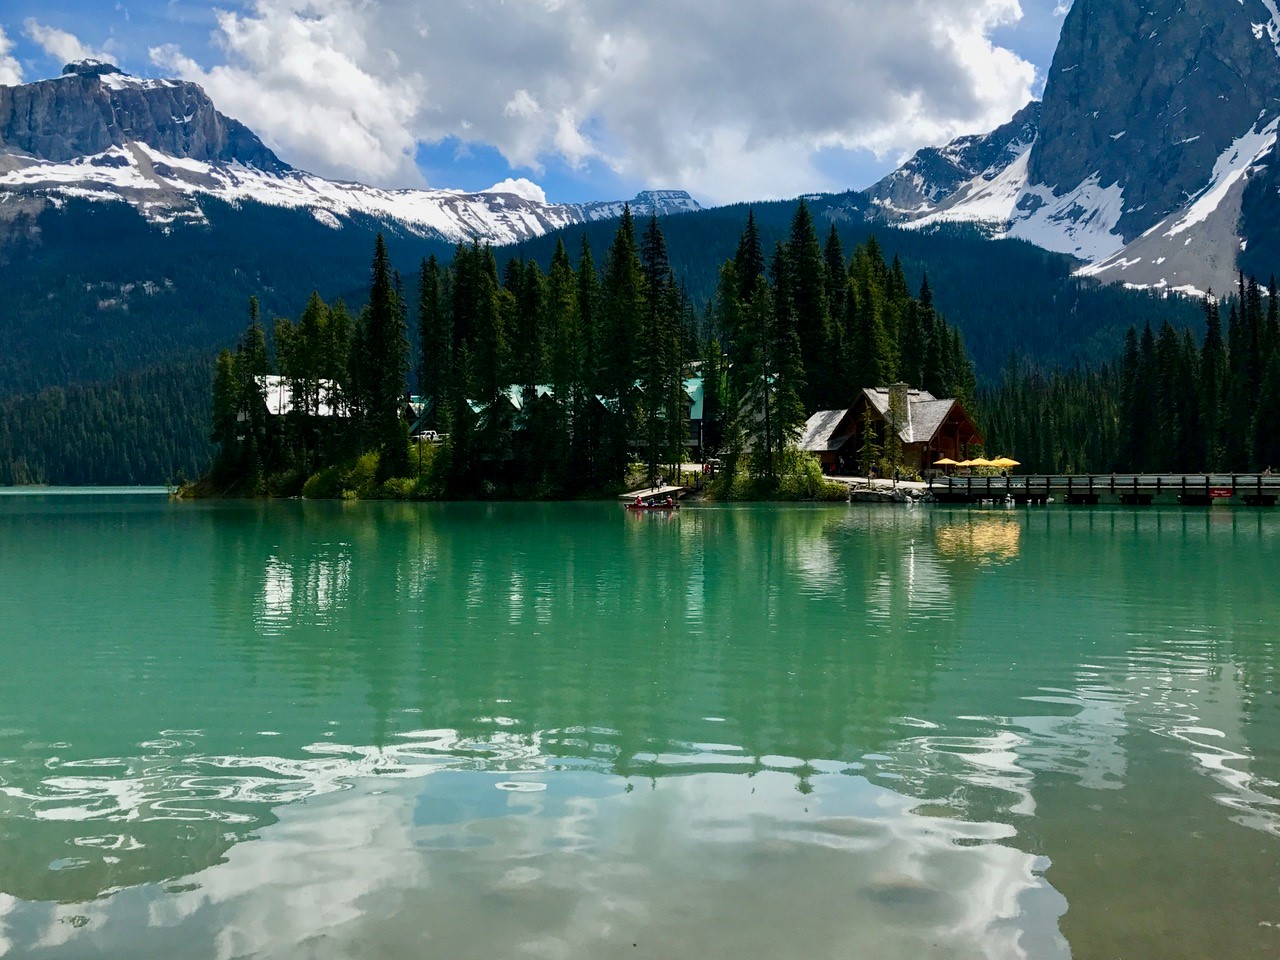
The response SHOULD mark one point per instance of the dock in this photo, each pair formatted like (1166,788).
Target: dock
(1136,490)
(652,494)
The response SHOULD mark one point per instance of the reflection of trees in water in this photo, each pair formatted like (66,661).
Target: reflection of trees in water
(613,636)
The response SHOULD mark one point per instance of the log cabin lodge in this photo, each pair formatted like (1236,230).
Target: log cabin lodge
(929,428)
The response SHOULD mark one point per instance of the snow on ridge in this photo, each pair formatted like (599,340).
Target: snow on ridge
(1081,222)
(164,188)
(984,200)
(1231,166)
(124,81)
(1272,27)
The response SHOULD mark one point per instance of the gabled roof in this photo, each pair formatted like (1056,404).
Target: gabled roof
(515,393)
(816,436)
(925,412)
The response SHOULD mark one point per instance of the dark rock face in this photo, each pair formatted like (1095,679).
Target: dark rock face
(94,106)
(1149,93)
(935,173)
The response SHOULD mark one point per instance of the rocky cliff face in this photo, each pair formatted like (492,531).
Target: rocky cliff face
(1153,143)
(1150,93)
(94,106)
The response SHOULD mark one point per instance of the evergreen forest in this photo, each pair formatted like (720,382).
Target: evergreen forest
(553,384)
(110,325)
(1168,403)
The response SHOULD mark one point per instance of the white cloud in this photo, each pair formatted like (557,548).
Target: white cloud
(10,69)
(63,45)
(521,187)
(309,79)
(721,96)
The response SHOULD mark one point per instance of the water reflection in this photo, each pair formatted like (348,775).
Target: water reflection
(988,539)
(423,714)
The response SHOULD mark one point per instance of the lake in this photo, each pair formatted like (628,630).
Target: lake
(325,730)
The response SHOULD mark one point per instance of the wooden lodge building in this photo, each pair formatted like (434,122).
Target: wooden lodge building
(930,429)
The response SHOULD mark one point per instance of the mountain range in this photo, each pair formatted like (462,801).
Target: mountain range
(136,220)
(1151,158)
(162,147)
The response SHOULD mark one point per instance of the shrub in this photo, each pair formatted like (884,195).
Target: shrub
(351,480)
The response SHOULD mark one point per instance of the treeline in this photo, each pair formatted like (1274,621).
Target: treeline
(1168,404)
(148,427)
(552,384)
(808,329)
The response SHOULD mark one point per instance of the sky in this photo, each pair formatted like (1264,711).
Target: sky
(575,100)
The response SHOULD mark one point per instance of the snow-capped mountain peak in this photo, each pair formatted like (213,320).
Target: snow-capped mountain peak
(1146,180)
(99,134)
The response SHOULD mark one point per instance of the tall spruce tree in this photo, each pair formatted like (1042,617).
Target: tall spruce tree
(802,288)
(435,337)
(386,363)
(622,317)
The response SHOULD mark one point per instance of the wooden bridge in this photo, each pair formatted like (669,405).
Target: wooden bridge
(1190,489)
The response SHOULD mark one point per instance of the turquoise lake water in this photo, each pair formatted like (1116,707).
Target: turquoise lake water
(331,730)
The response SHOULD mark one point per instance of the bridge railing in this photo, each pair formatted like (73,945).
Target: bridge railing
(1207,484)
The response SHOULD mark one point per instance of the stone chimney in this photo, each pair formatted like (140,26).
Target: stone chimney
(899,407)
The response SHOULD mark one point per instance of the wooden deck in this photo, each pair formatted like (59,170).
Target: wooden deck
(655,493)
(1190,489)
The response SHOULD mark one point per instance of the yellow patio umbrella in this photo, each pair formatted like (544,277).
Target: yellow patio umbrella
(945,462)
(981,462)
(1005,463)
(965,463)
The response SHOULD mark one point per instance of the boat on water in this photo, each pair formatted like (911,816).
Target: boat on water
(671,505)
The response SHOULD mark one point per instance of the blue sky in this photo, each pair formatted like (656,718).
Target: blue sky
(590,99)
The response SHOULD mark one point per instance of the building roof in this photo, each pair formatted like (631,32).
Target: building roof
(816,436)
(277,391)
(696,391)
(925,412)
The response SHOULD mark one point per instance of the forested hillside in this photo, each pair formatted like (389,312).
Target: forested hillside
(93,295)
(1166,403)
(146,427)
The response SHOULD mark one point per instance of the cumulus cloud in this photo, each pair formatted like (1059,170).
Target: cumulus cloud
(521,187)
(63,45)
(316,81)
(730,98)
(10,69)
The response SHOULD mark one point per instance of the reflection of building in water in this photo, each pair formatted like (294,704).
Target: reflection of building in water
(302,590)
(919,587)
(988,540)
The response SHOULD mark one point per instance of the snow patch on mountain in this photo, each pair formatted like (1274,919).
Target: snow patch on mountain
(991,201)
(167,189)
(1080,222)
(1230,168)
(1272,27)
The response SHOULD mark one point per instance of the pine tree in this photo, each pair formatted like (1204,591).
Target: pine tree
(748,261)
(803,288)
(770,412)
(1212,383)
(387,362)
(622,311)
(435,337)
(659,366)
